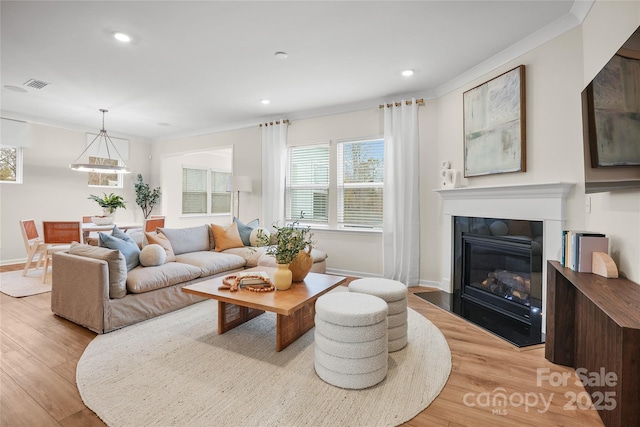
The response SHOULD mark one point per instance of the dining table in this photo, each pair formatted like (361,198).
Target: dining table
(88,227)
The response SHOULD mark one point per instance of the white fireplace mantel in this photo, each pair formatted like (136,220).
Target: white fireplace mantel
(528,201)
(535,202)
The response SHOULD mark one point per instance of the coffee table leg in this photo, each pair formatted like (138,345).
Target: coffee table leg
(232,315)
(290,328)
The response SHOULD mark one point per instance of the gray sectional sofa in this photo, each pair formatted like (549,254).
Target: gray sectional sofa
(92,287)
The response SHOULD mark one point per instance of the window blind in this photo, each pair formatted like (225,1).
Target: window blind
(220,198)
(360,183)
(194,191)
(307,183)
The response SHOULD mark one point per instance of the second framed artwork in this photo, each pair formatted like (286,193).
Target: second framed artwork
(494,125)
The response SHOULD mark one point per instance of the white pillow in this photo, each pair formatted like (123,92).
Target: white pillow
(253,238)
(152,255)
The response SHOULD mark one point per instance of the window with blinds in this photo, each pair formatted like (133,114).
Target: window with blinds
(307,183)
(220,197)
(360,183)
(204,191)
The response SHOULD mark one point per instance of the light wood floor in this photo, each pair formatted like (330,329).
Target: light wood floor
(39,353)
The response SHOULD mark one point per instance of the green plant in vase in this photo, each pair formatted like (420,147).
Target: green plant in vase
(109,203)
(290,241)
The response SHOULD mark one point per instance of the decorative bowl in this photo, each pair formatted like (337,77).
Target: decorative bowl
(102,220)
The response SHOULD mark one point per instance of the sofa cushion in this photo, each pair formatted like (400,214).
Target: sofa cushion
(128,247)
(226,237)
(250,255)
(160,239)
(116,265)
(245,229)
(145,279)
(210,262)
(191,239)
(137,235)
(152,255)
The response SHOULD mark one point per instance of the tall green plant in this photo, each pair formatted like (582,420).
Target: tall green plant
(145,197)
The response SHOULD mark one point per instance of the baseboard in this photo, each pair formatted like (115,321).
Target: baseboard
(13,261)
(431,284)
(360,274)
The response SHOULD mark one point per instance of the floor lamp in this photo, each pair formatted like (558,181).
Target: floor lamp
(236,184)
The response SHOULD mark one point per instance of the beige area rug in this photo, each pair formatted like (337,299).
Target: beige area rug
(176,370)
(12,283)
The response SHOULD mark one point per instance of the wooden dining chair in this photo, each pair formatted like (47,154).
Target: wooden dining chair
(33,243)
(153,223)
(58,236)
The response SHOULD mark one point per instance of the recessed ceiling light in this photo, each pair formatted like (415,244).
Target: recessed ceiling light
(15,88)
(265,101)
(407,73)
(124,38)
(281,55)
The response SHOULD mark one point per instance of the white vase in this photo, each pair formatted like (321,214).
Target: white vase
(282,277)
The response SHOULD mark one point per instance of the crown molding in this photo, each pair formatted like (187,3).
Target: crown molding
(573,19)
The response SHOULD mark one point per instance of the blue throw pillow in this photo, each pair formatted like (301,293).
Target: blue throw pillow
(120,234)
(128,248)
(246,229)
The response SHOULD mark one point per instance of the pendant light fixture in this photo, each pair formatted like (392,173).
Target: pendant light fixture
(101,138)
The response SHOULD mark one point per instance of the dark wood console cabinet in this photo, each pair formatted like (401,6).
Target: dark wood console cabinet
(593,323)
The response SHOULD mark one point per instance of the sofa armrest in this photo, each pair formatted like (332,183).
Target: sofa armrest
(80,290)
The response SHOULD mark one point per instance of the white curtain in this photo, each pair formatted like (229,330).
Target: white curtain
(401,233)
(274,157)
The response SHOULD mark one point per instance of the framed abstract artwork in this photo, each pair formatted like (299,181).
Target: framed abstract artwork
(613,103)
(494,125)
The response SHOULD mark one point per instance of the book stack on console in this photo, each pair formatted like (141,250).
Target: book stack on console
(254,278)
(578,248)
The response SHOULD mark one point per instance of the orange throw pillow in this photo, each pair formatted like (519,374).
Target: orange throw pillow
(226,237)
(161,240)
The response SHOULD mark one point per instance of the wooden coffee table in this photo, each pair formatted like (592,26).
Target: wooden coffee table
(295,307)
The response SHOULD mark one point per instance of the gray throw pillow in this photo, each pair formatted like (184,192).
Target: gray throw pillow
(191,239)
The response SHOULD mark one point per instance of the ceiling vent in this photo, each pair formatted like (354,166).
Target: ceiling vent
(36,84)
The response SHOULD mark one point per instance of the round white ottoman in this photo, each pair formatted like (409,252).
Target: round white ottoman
(395,295)
(351,340)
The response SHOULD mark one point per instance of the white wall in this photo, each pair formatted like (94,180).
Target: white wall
(616,214)
(51,191)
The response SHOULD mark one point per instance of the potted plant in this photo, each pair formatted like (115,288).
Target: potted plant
(291,240)
(145,197)
(109,204)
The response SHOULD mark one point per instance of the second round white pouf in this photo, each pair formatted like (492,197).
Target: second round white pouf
(395,295)
(351,340)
